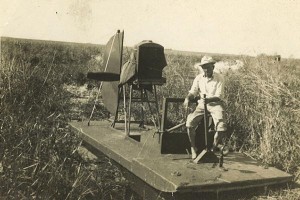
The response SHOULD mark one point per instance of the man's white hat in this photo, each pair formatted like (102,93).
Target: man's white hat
(206,60)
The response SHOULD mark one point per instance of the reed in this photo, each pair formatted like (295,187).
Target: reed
(263,111)
(39,157)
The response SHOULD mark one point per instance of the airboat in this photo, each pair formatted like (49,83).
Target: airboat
(156,158)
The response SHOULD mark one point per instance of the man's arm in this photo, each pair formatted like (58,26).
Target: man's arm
(212,99)
(218,94)
(187,99)
(192,93)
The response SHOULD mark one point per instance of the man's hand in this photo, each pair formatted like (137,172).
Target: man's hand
(186,102)
(211,99)
(206,100)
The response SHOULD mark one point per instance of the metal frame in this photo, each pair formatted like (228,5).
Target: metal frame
(142,98)
(166,101)
(172,137)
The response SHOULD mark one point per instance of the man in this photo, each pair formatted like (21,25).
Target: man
(211,84)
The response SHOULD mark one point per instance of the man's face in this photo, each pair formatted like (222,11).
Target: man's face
(208,70)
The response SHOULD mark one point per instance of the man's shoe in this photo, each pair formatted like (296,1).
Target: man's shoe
(225,150)
(214,149)
(194,153)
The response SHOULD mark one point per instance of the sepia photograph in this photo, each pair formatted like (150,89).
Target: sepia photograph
(154,100)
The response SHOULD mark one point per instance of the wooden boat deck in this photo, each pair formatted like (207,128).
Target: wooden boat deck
(175,173)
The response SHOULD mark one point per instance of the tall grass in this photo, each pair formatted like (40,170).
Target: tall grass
(264,113)
(38,153)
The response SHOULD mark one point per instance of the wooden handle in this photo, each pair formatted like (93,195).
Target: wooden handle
(205,120)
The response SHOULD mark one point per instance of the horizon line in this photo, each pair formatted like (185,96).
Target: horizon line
(167,49)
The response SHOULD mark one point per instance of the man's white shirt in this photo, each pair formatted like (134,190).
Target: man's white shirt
(212,87)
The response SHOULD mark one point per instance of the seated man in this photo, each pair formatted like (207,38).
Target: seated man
(211,84)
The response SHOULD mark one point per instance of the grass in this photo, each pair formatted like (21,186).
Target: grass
(264,113)
(39,154)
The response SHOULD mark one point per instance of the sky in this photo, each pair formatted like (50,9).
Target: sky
(248,27)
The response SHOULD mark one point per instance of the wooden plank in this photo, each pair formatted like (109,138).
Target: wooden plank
(176,173)
(186,176)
